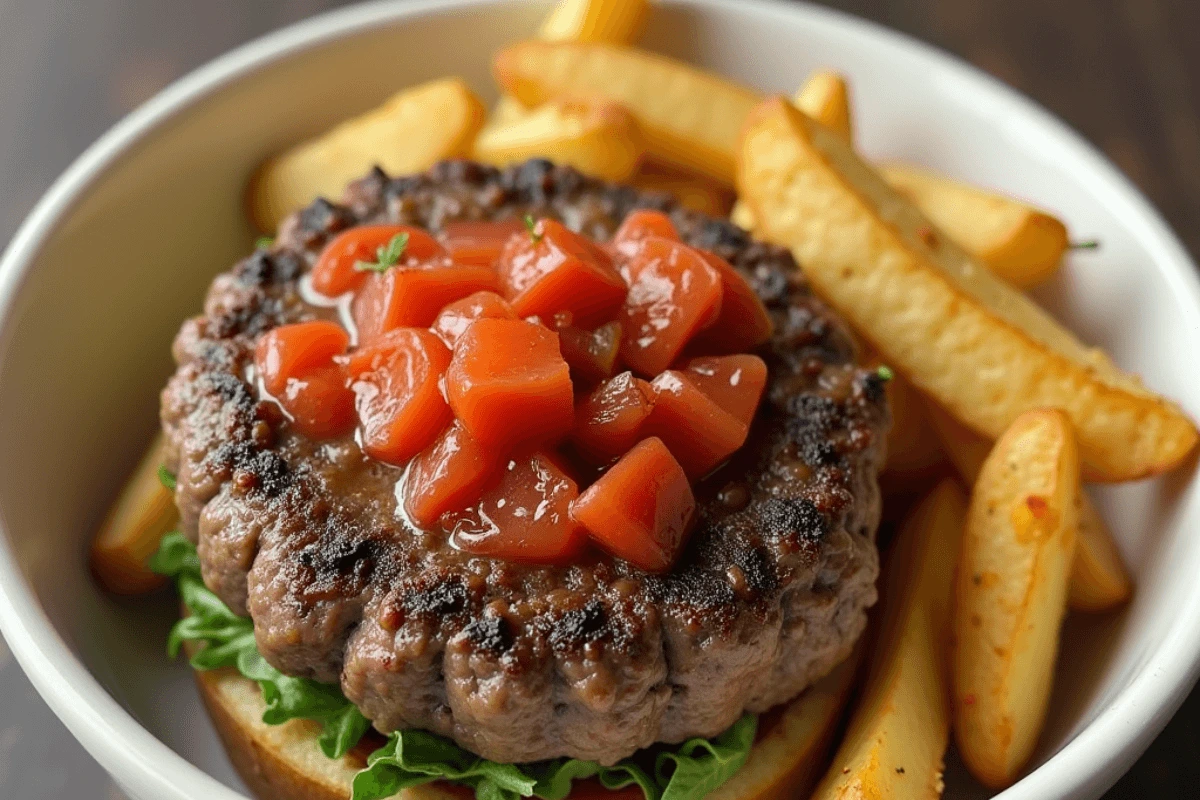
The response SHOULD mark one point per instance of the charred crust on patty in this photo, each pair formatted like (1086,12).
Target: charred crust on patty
(506,658)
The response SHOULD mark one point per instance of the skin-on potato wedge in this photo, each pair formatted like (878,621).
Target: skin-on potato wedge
(1011,593)
(1018,242)
(976,345)
(794,744)
(824,96)
(600,139)
(897,737)
(690,118)
(396,136)
(691,190)
(617,21)
(131,531)
(1099,579)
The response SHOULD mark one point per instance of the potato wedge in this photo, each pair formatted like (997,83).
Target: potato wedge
(973,343)
(396,136)
(824,96)
(1018,242)
(130,533)
(897,737)
(1099,579)
(691,190)
(595,21)
(1011,593)
(600,139)
(914,453)
(794,744)
(690,118)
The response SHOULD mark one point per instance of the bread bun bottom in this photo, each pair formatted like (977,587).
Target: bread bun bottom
(284,762)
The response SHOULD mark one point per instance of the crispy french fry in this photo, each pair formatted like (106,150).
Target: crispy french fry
(691,190)
(690,118)
(1018,242)
(914,453)
(897,737)
(1011,593)
(825,96)
(1099,579)
(129,535)
(600,139)
(976,345)
(618,21)
(794,747)
(397,136)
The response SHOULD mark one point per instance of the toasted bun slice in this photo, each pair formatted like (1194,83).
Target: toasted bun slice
(283,762)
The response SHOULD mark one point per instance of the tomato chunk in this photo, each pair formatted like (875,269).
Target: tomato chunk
(592,355)
(673,293)
(524,517)
(698,432)
(395,381)
(447,476)
(508,383)
(553,269)
(743,323)
(641,509)
(609,420)
(296,366)
(479,243)
(453,320)
(735,383)
(638,226)
(405,297)
(335,272)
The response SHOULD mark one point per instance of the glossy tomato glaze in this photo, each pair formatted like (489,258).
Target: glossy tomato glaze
(523,662)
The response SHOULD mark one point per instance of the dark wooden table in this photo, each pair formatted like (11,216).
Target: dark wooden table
(1126,73)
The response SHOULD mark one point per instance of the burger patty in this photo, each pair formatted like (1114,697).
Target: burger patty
(522,662)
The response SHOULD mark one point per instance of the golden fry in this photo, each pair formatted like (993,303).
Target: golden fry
(692,191)
(1019,243)
(690,118)
(617,21)
(897,738)
(131,531)
(1012,593)
(396,136)
(937,314)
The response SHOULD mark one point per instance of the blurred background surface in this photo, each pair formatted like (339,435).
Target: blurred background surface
(1125,73)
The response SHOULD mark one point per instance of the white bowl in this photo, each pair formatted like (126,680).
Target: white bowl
(121,249)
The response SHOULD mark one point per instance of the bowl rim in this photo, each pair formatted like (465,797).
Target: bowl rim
(1085,766)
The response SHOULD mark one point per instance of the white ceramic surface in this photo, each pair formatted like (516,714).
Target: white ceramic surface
(121,249)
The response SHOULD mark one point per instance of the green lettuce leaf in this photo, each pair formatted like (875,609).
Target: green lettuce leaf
(688,771)
(229,642)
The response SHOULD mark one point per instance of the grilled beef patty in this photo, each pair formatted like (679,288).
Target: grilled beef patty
(516,662)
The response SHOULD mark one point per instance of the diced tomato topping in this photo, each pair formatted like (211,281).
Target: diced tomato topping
(592,355)
(400,405)
(673,293)
(447,476)
(405,297)
(524,517)
(479,243)
(335,272)
(508,383)
(553,269)
(641,509)
(743,323)
(609,420)
(637,227)
(295,364)
(453,320)
(735,383)
(698,432)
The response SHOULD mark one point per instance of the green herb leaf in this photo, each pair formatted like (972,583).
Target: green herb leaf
(412,757)
(699,766)
(264,242)
(228,641)
(531,226)
(1086,244)
(885,373)
(166,477)
(385,257)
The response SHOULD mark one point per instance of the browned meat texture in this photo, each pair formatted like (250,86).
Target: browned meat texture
(516,662)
